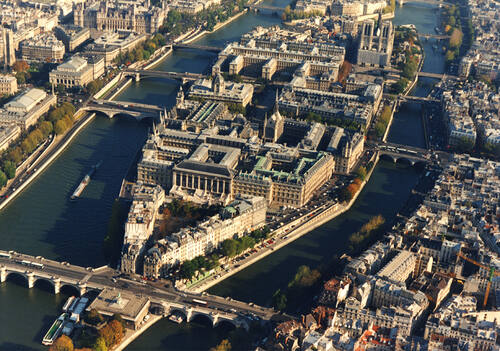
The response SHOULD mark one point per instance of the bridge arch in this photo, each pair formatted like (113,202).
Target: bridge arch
(226,321)
(205,318)
(404,161)
(45,284)
(388,157)
(70,289)
(178,311)
(14,276)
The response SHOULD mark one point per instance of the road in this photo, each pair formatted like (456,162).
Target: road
(106,277)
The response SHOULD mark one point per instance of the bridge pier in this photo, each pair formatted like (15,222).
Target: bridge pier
(31,279)
(83,288)
(57,285)
(215,318)
(137,77)
(189,313)
(3,274)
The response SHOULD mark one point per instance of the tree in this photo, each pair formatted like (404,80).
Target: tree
(361,173)
(60,127)
(15,155)
(229,247)
(118,317)
(279,300)
(117,330)
(3,179)
(224,345)
(20,66)
(456,38)
(9,169)
(62,343)
(187,269)
(107,334)
(93,317)
(100,345)
(21,78)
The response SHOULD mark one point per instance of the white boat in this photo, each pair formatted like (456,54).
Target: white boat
(176,318)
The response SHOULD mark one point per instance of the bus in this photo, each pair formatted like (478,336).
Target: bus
(37,265)
(200,302)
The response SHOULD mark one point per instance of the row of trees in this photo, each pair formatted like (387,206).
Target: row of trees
(57,120)
(383,121)
(452,25)
(305,278)
(340,122)
(347,193)
(359,239)
(290,15)
(229,248)
(178,23)
(189,268)
(142,51)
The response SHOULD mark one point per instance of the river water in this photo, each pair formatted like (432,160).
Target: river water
(42,221)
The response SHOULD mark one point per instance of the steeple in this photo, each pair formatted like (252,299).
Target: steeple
(276,109)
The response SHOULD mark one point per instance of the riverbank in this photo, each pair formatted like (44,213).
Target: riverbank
(291,232)
(50,154)
(131,335)
(216,27)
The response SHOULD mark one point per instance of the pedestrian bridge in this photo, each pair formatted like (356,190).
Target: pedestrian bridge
(114,108)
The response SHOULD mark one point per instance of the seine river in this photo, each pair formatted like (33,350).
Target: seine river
(42,220)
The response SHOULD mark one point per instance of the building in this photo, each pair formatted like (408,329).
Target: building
(399,268)
(191,7)
(43,47)
(240,217)
(334,291)
(8,134)
(274,125)
(207,173)
(25,109)
(376,43)
(8,85)
(131,307)
(347,148)
(284,177)
(72,36)
(75,72)
(130,16)
(8,48)
(265,52)
(139,225)
(109,45)
(217,89)
(332,105)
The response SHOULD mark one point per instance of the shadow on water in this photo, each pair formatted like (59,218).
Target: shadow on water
(73,231)
(390,185)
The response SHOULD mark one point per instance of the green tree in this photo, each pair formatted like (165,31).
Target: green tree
(361,173)
(229,247)
(93,317)
(62,343)
(15,155)
(9,169)
(100,345)
(60,127)
(187,270)
(3,179)
(279,300)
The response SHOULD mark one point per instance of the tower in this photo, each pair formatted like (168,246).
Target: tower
(9,57)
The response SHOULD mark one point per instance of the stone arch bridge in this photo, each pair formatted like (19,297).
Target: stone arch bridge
(131,109)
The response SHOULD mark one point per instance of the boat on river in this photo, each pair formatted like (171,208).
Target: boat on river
(54,330)
(176,318)
(85,181)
